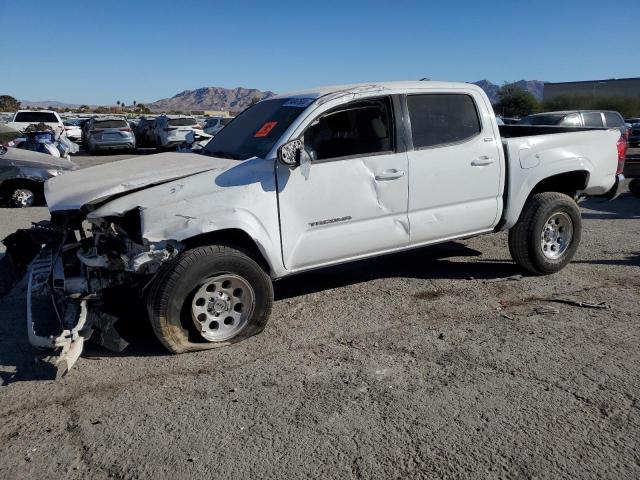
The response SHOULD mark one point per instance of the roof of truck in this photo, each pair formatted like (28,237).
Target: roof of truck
(374,86)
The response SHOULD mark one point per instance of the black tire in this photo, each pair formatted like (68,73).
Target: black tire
(634,187)
(525,236)
(33,190)
(169,301)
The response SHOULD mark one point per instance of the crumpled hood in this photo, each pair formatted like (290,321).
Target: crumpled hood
(97,184)
(18,157)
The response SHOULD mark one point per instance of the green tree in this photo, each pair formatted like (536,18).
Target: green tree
(84,108)
(8,103)
(516,102)
(627,106)
(142,108)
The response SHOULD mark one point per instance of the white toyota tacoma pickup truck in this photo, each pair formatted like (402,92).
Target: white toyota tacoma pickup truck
(297,182)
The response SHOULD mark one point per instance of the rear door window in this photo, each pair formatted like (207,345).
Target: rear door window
(441,119)
(592,119)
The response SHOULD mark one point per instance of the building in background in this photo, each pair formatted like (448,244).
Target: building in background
(616,87)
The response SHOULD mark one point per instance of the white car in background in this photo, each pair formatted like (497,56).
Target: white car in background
(171,130)
(23,118)
(214,124)
(73,130)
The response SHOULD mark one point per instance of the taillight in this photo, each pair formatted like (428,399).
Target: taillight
(169,129)
(125,129)
(622,153)
(97,130)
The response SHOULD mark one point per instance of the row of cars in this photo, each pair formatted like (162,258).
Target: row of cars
(161,132)
(116,132)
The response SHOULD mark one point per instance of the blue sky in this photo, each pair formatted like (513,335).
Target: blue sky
(100,52)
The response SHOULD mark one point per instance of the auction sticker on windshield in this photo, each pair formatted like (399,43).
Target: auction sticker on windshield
(265,129)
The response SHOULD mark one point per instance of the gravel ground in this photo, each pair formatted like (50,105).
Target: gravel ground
(408,365)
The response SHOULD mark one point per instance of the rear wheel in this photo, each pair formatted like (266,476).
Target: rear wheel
(634,187)
(209,297)
(547,234)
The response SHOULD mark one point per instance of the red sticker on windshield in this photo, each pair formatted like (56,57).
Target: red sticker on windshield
(265,129)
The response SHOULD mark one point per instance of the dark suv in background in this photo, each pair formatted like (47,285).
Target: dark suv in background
(634,133)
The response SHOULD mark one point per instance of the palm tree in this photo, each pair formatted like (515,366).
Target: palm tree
(134,104)
(118,103)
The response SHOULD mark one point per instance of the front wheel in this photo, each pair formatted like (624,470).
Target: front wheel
(209,297)
(634,187)
(547,234)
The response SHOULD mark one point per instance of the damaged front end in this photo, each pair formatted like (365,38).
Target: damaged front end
(70,265)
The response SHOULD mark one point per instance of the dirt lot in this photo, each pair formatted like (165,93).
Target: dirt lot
(404,366)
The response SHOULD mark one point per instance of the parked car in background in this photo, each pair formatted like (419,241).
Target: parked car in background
(578,118)
(171,131)
(112,133)
(144,132)
(634,131)
(23,118)
(23,173)
(73,130)
(214,124)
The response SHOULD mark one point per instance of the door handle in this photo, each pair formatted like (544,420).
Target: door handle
(482,161)
(390,175)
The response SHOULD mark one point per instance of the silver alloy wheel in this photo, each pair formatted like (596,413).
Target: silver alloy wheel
(22,197)
(557,235)
(222,307)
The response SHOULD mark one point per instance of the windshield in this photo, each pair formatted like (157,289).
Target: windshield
(181,122)
(255,131)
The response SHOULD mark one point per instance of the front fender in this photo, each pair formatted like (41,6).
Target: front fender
(188,220)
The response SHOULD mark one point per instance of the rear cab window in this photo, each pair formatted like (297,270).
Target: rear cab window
(592,119)
(442,119)
(613,119)
(36,117)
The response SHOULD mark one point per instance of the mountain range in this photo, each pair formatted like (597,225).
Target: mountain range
(239,98)
(211,98)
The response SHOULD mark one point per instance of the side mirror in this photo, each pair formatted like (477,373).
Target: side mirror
(290,152)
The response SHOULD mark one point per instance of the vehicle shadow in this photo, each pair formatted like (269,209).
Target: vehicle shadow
(632,260)
(625,207)
(433,262)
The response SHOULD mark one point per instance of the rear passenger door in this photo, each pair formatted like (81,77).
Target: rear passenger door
(454,166)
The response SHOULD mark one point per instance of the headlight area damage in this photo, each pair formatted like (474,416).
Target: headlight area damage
(70,266)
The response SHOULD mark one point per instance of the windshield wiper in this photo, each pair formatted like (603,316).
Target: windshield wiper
(219,153)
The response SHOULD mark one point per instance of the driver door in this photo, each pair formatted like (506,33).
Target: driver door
(352,202)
